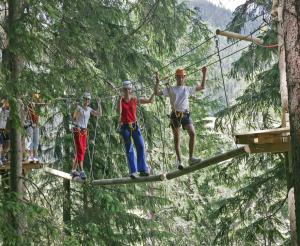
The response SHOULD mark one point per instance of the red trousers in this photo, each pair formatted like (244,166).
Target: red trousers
(80,138)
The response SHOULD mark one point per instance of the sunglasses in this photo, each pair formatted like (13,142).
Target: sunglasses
(85,98)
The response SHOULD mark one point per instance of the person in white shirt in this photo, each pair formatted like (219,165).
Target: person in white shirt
(180,115)
(4,114)
(81,118)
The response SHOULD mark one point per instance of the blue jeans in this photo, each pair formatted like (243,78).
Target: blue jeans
(135,164)
(35,136)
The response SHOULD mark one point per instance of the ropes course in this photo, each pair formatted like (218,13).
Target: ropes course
(199,164)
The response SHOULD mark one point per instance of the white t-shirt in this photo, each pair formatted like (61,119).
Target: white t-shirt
(179,96)
(83,116)
(4,114)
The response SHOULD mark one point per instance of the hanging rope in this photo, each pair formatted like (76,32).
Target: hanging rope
(223,81)
(91,157)
(162,139)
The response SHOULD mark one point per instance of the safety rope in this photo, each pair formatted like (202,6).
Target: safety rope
(68,102)
(223,82)
(91,157)
(162,138)
(205,41)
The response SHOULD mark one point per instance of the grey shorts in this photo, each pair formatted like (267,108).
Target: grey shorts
(180,118)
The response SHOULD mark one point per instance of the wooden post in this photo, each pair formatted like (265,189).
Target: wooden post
(239,36)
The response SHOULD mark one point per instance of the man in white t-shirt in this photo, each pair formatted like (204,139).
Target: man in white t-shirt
(81,118)
(180,115)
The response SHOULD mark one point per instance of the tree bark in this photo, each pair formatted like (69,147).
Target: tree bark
(15,66)
(291,27)
(66,182)
(282,66)
(277,14)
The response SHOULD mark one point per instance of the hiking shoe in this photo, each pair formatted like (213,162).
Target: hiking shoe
(1,163)
(35,159)
(144,174)
(193,160)
(74,173)
(82,175)
(179,165)
(30,159)
(133,175)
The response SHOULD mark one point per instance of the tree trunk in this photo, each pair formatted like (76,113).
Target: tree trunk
(291,26)
(282,67)
(16,151)
(291,198)
(66,182)
(277,13)
(15,67)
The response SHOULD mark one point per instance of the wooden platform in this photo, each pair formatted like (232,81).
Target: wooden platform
(26,166)
(268,141)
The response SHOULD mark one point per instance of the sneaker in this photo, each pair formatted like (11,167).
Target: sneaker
(30,159)
(35,159)
(133,175)
(144,174)
(179,165)
(74,173)
(82,175)
(193,160)
(4,159)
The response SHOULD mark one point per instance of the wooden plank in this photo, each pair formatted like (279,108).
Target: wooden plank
(244,139)
(208,162)
(277,135)
(128,180)
(25,165)
(266,131)
(269,148)
(125,180)
(239,36)
(62,175)
(271,139)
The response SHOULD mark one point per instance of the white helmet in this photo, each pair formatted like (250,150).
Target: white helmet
(127,84)
(87,95)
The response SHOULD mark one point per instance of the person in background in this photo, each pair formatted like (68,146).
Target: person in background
(4,114)
(81,118)
(34,128)
(130,130)
(180,115)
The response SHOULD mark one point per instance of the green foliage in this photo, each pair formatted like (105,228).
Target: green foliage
(254,210)
(260,100)
(74,46)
